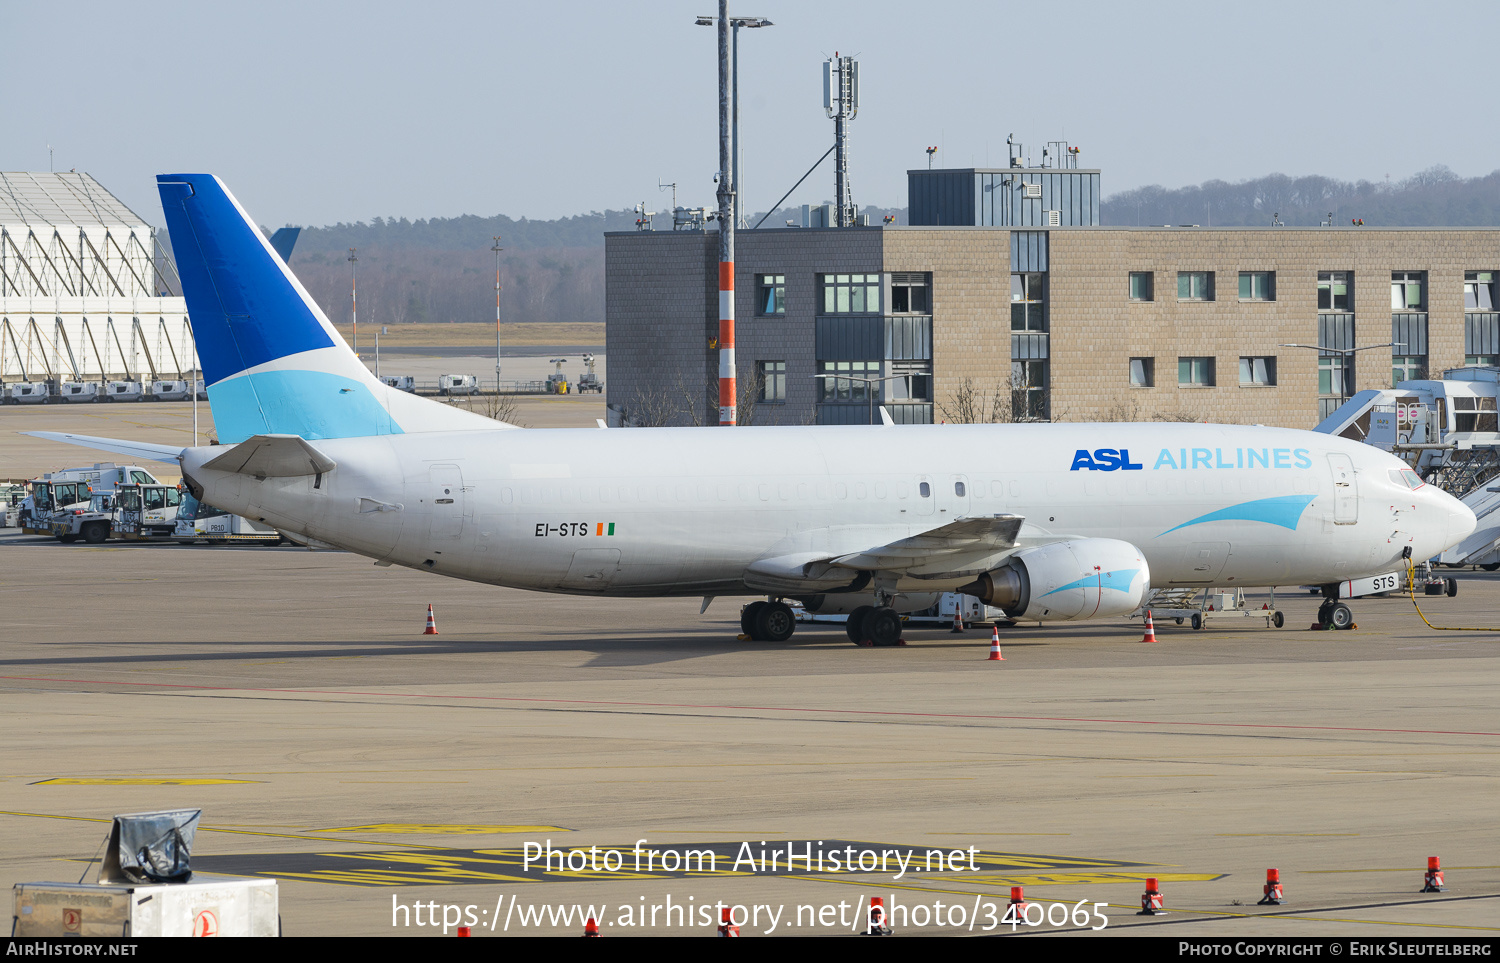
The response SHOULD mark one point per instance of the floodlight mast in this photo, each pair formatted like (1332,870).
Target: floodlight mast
(728,193)
(726,229)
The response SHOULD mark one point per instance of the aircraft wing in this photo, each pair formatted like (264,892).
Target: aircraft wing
(134,449)
(272,456)
(960,548)
(955,548)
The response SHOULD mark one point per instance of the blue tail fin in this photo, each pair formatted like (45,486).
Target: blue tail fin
(272,361)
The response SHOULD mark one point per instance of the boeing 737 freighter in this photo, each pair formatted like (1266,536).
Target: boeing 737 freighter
(1045,521)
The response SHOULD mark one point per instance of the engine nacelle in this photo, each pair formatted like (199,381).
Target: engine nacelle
(1081,578)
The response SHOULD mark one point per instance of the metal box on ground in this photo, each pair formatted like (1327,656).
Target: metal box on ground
(203,906)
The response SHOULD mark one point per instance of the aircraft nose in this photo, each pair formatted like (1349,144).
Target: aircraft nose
(1461,522)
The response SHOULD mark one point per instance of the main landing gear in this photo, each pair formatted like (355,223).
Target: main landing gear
(874,625)
(768,621)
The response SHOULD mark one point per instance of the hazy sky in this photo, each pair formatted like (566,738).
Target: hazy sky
(318,112)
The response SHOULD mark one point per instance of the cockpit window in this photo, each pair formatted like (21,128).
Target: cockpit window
(1407,478)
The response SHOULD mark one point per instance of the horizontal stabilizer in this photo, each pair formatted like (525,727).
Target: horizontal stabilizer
(133,449)
(273,456)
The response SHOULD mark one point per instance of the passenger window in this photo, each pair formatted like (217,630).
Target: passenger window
(926,490)
(958,489)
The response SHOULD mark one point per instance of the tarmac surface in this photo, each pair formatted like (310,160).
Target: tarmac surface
(391,780)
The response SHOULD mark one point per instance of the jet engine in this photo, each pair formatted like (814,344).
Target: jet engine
(1079,578)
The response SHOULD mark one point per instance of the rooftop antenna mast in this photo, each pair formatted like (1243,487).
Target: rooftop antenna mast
(841,101)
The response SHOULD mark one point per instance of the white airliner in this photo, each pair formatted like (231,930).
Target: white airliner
(1046,521)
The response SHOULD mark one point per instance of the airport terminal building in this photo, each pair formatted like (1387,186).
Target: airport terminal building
(1006,299)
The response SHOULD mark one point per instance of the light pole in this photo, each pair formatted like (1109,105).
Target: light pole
(354,299)
(869,392)
(497,249)
(735,183)
(727,212)
(1345,354)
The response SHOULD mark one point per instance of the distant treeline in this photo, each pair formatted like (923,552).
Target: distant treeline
(442,269)
(1436,197)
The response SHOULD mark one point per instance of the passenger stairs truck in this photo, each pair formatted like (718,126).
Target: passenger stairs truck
(1448,430)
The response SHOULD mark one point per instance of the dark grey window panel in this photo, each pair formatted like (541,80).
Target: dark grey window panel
(1482,333)
(909,414)
(1409,329)
(1335,330)
(995,198)
(906,339)
(1028,347)
(850,339)
(1028,251)
(847,414)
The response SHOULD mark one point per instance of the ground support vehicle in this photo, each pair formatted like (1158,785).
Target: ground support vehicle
(93,524)
(147,511)
(198,522)
(1183,605)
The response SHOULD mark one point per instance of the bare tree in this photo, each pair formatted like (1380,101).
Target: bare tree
(497,407)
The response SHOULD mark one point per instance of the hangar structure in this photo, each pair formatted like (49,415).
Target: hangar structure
(87,293)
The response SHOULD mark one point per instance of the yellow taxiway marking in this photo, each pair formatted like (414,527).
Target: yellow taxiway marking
(441,829)
(237,832)
(138,781)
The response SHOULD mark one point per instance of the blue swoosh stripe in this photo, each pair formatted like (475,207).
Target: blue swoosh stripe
(313,404)
(1095,581)
(1284,510)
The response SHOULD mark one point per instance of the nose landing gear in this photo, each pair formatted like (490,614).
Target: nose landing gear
(1335,615)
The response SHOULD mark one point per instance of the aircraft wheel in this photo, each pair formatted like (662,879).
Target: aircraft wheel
(1340,616)
(855,626)
(1277,619)
(884,626)
(750,619)
(1450,585)
(775,622)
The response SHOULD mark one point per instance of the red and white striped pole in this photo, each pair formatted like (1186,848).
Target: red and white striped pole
(726,343)
(726,229)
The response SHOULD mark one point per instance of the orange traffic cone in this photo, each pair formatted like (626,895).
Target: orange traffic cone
(1017,910)
(879,925)
(1150,629)
(958,616)
(591,928)
(431,625)
(1272,889)
(726,922)
(995,655)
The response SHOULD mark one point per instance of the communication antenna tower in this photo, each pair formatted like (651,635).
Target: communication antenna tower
(841,101)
